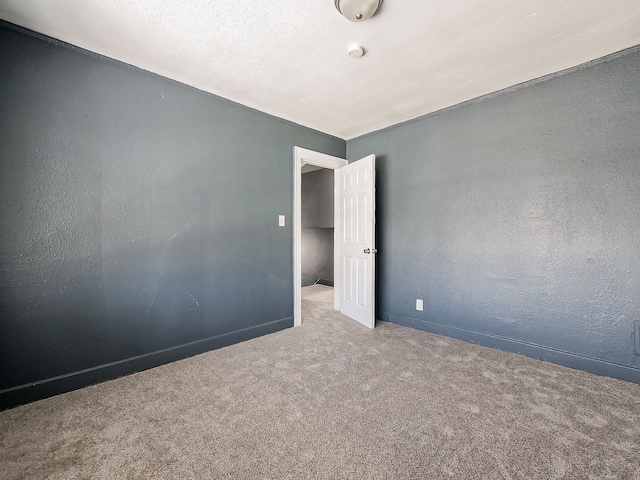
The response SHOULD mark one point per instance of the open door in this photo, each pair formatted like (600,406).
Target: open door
(355,189)
(354,234)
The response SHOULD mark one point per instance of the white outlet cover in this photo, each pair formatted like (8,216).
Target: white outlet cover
(419,305)
(281,220)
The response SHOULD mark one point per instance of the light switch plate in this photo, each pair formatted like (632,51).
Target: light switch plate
(281,220)
(419,306)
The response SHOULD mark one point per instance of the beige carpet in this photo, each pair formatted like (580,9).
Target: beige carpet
(332,399)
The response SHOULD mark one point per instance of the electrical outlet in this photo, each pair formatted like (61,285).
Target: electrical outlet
(281,220)
(636,336)
(418,304)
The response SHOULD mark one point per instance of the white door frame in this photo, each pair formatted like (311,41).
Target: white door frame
(302,156)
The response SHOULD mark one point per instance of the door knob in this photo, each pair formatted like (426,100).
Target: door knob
(370,250)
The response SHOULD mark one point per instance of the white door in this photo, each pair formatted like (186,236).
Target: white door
(356,184)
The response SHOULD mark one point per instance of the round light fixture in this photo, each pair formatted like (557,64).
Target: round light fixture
(357,10)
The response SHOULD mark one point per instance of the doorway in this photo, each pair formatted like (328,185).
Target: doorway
(304,157)
(317,226)
(354,234)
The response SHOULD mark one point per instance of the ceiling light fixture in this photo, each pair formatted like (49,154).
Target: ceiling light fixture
(357,10)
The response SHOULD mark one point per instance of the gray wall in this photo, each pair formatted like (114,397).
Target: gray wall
(517,218)
(317,197)
(139,218)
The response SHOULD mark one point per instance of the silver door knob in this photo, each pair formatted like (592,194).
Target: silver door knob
(370,250)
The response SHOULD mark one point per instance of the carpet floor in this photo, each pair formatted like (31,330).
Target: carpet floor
(332,399)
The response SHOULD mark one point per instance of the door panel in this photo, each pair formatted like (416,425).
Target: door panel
(357,218)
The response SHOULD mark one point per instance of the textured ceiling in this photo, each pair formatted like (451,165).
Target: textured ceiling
(289,58)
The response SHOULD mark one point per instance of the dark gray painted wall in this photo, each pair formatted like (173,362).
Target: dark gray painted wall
(139,218)
(317,199)
(317,227)
(517,218)
(317,256)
